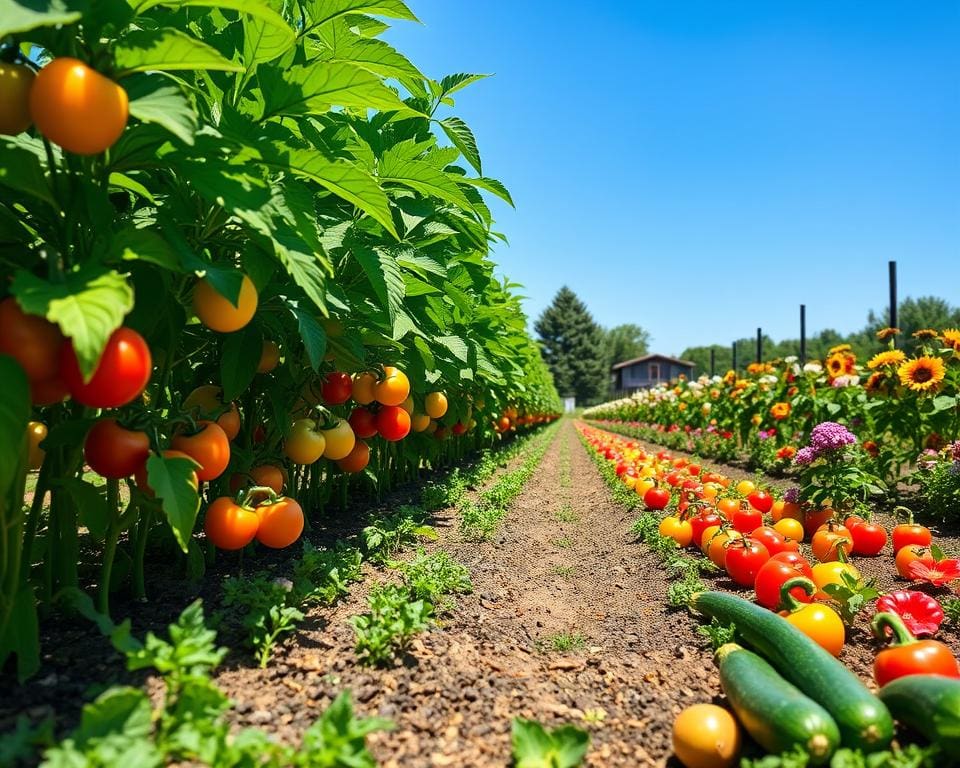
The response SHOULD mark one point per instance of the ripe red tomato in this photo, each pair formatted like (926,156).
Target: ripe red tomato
(121,374)
(772,575)
(357,459)
(700,522)
(746,520)
(772,539)
(393,423)
(656,498)
(761,501)
(336,388)
(210,448)
(230,526)
(281,523)
(78,108)
(796,559)
(113,451)
(911,533)
(31,340)
(868,538)
(743,560)
(363,422)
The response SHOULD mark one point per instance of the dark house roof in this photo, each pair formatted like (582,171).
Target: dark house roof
(645,358)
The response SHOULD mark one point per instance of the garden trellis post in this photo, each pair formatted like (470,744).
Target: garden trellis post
(893,295)
(759,345)
(803,334)
(734,355)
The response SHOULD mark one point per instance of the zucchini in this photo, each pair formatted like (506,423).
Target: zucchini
(774,712)
(864,721)
(930,705)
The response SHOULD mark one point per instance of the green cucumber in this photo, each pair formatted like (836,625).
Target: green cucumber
(774,712)
(865,722)
(930,705)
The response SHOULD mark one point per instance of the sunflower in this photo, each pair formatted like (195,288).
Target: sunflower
(951,338)
(922,374)
(755,368)
(925,333)
(887,333)
(780,410)
(729,377)
(838,349)
(836,364)
(876,380)
(887,357)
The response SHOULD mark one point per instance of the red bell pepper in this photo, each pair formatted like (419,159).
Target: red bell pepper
(907,655)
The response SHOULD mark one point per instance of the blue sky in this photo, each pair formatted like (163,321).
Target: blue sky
(702,168)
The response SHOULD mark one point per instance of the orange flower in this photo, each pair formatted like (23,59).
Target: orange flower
(887,333)
(787,452)
(876,380)
(951,338)
(871,447)
(836,365)
(925,333)
(922,374)
(780,410)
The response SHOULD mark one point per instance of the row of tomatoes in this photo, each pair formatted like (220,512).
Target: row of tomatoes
(730,531)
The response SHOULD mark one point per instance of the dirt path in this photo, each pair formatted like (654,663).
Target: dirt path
(566,624)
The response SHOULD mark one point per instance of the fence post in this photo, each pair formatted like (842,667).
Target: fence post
(803,334)
(893,296)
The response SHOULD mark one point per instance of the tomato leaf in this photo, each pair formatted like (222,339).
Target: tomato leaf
(154,99)
(22,169)
(463,139)
(88,306)
(172,481)
(131,244)
(323,11)
(22,634)
(238,365)
(14,415)
(23,15)
(91,504)
(313,335)
(166,50)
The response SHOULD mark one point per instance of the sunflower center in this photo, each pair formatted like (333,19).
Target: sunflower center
(922,374)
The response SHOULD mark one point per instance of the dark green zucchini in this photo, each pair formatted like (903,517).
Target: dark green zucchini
(930,705)
(774,712)
(864,721)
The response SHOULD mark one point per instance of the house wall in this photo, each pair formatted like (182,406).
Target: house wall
(638,376)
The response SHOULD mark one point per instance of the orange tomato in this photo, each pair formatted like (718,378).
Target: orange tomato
(78,108)
(717,550)
(394,388)
(218,313)
(907,555)
(419,422)
(679,530)
(726,507)
(435,405)
(230,526)
(826,544)
(210,448)
(357,460)
(363,387)
(281,523)
(789,527)
(15,82)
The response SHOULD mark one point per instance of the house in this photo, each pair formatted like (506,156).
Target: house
(647,371)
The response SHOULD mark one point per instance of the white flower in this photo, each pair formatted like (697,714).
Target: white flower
(813,367)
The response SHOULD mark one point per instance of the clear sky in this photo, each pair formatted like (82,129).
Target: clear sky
(703,167)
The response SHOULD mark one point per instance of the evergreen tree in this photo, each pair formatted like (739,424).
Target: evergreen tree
(574,349)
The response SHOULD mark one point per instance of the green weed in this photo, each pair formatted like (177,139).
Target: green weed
(386,630)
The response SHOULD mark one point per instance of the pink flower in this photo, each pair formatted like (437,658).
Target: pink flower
(921,613)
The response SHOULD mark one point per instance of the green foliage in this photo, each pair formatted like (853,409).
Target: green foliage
(536,747)
(266,610)
(574,348)
(625,342)
(388,535)
(717,633)
(392,622)
(909,756)
(852,596)
(121,727)
(938,481)
(433,577)
(563,642)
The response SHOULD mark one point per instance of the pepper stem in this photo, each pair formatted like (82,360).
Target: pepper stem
(790,603)
(884,621)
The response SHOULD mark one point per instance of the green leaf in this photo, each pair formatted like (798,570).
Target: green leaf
(344,44)
(345,179)
(453,83)
(313,89)
(120,710)
(21,169)
(490,185)
(88,306)
(535,747)
(313,335)
(422,177)
(131,244)
(154,99)
(324,11)
(456,346)
(463,139)
(385,278)
(14,415)
(943,403)
(173,482)
(18,16)
(238,364)
(91,504)
(167,50)
(263,41)
(254,8)
(123,181)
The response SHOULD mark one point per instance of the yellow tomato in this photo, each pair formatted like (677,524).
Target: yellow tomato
(706,736)
(435,405)
(746,487)
(419,422)
(829,573)
(679,530)
(821,624)
(792,529)
(644,484)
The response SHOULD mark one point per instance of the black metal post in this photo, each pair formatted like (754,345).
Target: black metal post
(734,355)
(759,346)
(713,361)
(803,334)
(893,294)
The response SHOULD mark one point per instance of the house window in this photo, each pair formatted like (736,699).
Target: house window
(654,371)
